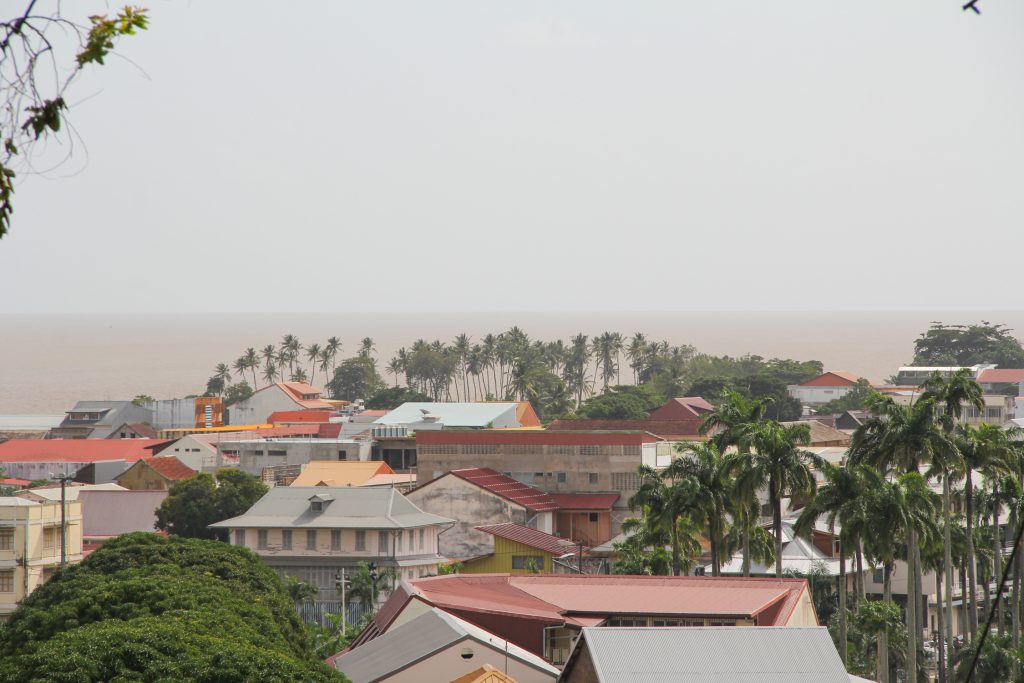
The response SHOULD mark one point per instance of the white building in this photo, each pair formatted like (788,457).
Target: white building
(282,396)
(824,388)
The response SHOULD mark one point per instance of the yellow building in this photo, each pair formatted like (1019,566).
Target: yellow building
(30,542)
(519,549)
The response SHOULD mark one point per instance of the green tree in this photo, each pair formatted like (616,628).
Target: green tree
(193,504)
(666,501)
(392,397)
(621,403)
(984,342)
(237,392)
(776,462)
(42,53)
(355,378)
(855,399)
(704,465)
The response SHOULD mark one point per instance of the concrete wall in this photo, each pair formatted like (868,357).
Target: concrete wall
(471,506)
(817,395)
(173,413)
(258,407)
(255,455)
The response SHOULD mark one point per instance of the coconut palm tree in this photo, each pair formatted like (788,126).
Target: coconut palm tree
(252,362)
(771,458)
(333,348)
(636,351)
(704,464)
(298,376)
(367,347)
(840,499)
(223,373)
(270,372)
(312,355)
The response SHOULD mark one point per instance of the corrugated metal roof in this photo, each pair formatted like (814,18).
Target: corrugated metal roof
(453,414)
(535,437)
(585,501)
(733,654)
(340,472)
(78,450)
(352,508)
(530,498)
(531,537)
(422,637)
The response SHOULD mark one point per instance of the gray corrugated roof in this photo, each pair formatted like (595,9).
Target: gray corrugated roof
(352,508)
(733,654)
(422,637)
(449,414)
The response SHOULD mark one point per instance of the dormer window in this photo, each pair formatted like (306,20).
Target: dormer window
(318,502)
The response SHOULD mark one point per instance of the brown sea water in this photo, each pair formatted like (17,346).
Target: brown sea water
(47,362)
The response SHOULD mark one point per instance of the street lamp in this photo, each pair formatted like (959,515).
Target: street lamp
(63,479)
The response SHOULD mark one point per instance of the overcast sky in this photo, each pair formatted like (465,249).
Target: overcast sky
(465,156)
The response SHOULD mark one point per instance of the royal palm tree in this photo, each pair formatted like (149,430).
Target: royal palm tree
(899,439)
(704,464)
(840,499)
(952,394)
(770,458)
(985,449)
(664,502)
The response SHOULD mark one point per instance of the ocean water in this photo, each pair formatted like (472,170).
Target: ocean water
(47,362)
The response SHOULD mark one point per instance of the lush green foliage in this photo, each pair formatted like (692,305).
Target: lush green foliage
(193,504)
(856,399)
(392,397)
(36,75)
(146,607)
(985,342)
(623,402)
(355,378)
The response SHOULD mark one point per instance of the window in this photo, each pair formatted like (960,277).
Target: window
(398,543)
(360,540)
(412,540)
(530,562)
(878,575)
(7,581)
(625,481)
(50,537)
(593,517)
(310,539)
(592,477)
(631,621)
(560,477)
(421,539)
(382,541)
(994,413)
(335,539)
(6,539)
(239,536)
(342,455)
(286,539)
(278,453)
(261,539)
(590,450)
(316,506)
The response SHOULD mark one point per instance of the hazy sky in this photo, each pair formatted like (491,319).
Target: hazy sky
(461,156)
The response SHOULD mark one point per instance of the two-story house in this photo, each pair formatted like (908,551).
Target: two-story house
(313,532)
(30,546)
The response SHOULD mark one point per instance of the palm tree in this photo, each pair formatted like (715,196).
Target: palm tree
(462,348)
(636,351)
(776,462)
(252,362)
(704,464)
(985,449)
(840,499)
(366,347)
(952,394)
(899,439)
(223,373)
(313,355)
(665,502)
(270,372)
(290,343)
(333,347)
(298,376)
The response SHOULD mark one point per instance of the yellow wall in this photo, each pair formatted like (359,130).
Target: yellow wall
(501,561)
(41,548)
(141,477)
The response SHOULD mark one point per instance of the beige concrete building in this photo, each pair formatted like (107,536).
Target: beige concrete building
(30,542)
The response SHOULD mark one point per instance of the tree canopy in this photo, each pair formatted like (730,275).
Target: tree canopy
(195,503)
(623,402)
(984,342)
(145,607)
(392,397)
(355,378)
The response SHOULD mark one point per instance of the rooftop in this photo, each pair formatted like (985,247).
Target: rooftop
(831,379)
(351,508)
(666,429)
(291,416)
(452,414)
(536,437)
(421,637)
(508,488)
(729,654)
(1002,375)
(533,538)
(170,467)
(78,450)
(585,501)
(340,472)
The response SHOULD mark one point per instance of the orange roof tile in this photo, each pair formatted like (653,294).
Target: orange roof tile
(170,468)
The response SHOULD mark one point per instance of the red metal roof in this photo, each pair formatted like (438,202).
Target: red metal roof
(585,501)
(143,429)
(683,408)
(289,416)
(13,481)
(171,468)
(666,429)
(531,537)
(497,483)
(999,375)
(560,597)
(535,437)
(78,450)
(832,379)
